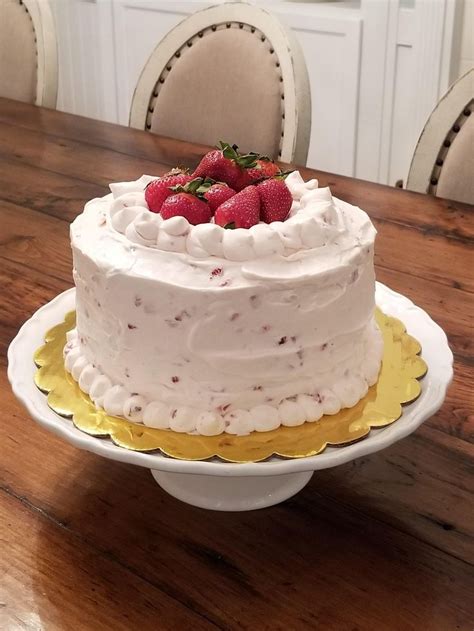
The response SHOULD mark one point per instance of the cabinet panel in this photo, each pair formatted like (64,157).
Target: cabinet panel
(332,52)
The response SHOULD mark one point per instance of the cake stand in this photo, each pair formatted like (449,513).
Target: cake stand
(218,485)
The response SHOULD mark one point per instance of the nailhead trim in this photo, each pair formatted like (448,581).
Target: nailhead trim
(448,141)
(212,29)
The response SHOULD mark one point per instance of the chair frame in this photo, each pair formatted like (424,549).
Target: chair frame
(439,133)
(46,51)
(295,94)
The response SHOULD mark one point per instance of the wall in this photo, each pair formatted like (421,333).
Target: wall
(465,33)
(376,67)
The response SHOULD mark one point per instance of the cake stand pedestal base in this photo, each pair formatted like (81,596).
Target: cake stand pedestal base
(228,493)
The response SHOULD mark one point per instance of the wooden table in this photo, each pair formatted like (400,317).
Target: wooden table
(385,542)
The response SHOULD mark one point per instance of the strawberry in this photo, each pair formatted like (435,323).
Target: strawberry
(240,211)
(217,194)
(187,205)
(157,191)
(225,164)
(243,181)
(263,169)
(275,200)
(187,200)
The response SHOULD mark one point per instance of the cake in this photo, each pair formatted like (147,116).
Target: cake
(202,326)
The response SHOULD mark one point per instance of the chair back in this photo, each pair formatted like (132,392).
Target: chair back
(443,162)
(28,55)
(230,72)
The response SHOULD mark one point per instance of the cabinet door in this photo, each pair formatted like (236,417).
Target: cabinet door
(331,45)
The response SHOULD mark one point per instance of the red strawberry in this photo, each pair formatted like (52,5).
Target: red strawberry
(187,205)
(240,211)
(264,168)
(217,194)
(157,191)
(275,200)
(215,165)
(225,164)
(243,181)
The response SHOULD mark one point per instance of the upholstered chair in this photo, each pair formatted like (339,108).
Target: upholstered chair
(443,162)
(230,72)
(28,55)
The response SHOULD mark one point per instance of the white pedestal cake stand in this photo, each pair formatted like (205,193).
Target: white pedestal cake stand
(224,486)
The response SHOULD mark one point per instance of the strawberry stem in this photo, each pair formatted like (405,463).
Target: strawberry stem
(245,161)
(282,175)
(197,187)
(177,171)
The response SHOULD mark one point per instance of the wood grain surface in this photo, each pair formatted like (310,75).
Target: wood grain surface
(382,543)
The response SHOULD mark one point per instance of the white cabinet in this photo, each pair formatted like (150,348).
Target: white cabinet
(376,68)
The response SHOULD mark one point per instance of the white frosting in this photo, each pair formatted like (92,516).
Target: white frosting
(313,222)
(201,329)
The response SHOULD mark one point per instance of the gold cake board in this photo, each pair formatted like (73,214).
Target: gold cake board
(397,385)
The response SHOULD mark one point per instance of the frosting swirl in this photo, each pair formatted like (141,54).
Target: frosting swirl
(314,222)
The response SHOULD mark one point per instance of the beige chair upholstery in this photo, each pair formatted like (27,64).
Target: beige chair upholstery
(456,174)
(443,163)
(227,73)
(17,52)
(28,58)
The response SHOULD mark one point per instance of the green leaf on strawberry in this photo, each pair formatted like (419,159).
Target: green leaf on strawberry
(244,161)
(198,186)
